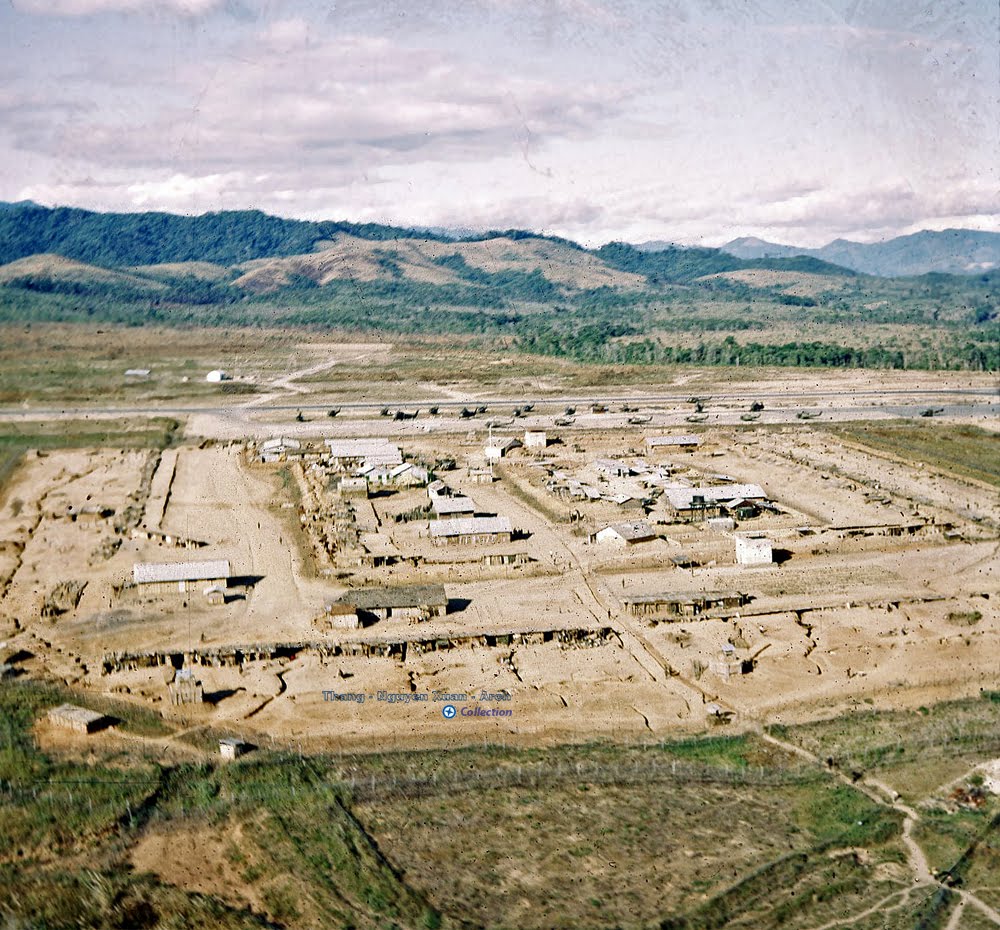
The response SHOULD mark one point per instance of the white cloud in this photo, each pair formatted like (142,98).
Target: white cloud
(91,7)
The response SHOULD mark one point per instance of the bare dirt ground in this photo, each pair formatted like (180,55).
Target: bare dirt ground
(894,620)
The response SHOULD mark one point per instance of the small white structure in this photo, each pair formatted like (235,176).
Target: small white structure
(753,549)
(230,747)
(216,375)
(339,616)
(438,488)
(408,475)
(139,374)
(482,475)
(353,487)
(535,439)
(626,534)
(991,776)
(721,524)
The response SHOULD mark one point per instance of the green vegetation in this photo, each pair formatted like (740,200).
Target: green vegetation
(125,239)
(963,450)
(913,751)
(724,831)
(687,308)
(15,439)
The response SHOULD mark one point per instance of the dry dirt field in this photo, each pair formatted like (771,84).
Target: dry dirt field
(883,591)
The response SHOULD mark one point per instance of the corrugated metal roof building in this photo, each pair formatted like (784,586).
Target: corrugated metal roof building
(471,531)
(176,575)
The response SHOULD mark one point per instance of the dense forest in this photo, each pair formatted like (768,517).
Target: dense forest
(678,306)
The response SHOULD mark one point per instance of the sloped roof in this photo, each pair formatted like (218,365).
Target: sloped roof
(632,531)
(425,595)
(453,505)
(470,526)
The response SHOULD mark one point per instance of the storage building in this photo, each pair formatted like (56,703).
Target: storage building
(680,606)
(688,442)
(471,531)
(176,576)
(409,603)
(352,453)
(706,501)
(231,748)
(498,448)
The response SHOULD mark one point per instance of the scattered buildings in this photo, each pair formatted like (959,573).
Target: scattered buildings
(753,549)
(175,576)
(410,603)
(277,449)
(707,501)
(626,534)
(79,719)
(612,469)
(471,531)
(406,475)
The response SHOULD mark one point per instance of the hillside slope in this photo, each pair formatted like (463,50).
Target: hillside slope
(951,251)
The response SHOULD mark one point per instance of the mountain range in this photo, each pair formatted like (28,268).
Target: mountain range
(264,253)
(950,251)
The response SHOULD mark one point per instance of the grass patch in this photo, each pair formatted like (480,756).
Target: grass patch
(964,617)
(915,751)
(967,451)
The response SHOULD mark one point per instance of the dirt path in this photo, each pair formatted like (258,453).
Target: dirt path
(286,385)
(916,859)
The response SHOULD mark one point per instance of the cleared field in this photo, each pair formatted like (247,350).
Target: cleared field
(961,450)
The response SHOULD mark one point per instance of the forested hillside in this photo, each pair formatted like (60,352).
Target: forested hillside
(614,305)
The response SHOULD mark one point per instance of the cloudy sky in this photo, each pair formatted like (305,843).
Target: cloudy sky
(692,121)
